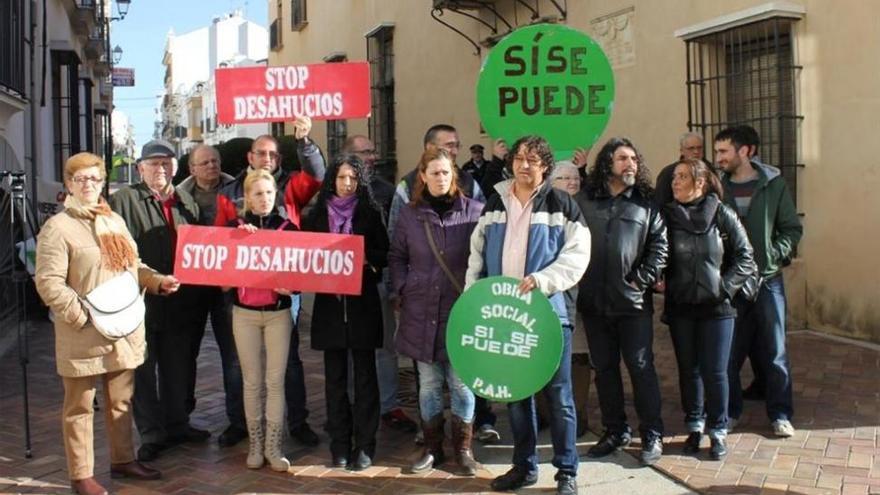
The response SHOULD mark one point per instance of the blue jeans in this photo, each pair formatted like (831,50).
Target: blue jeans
(294,377)
(702,350)
(431,378)
(632,337)
(764,321)
(563,420)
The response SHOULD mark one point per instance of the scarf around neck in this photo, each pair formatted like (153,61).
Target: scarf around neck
(117,251)
(340,211)
(693,217)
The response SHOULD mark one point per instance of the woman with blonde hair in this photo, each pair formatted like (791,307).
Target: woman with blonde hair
(261,320)
(78,250)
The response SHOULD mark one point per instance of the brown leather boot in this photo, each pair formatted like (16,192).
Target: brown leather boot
(87,486)
(134,470)
(462,435)
(432,454)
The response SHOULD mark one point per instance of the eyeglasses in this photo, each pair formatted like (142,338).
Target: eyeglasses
(533,161)
(273,155)
(365,152)
(84,179)
(561,178)
(210,161)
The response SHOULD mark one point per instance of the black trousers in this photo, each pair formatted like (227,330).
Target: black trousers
(161,397)
(351,423)
(629,337)
(217,306)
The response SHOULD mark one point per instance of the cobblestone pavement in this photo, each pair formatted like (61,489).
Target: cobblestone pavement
(836,448)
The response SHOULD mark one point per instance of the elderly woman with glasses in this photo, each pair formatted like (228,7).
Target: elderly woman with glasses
(78,250)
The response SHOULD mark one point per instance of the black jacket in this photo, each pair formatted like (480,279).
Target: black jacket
(352,322)
(145,220)
(710,258)
(628,254)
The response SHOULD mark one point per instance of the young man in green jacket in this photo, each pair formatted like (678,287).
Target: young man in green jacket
(765,206)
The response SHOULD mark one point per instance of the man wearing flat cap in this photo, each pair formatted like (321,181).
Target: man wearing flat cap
(153,210)
(476,166)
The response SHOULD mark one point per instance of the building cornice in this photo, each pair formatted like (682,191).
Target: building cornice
(757,13)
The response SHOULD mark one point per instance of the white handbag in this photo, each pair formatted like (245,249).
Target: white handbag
(116,307)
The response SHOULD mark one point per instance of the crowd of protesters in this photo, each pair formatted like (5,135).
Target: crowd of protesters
(599,241)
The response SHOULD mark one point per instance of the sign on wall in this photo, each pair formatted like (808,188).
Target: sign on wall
(269,259)
(549,80)
(338,91)
(123,76)
(505,346)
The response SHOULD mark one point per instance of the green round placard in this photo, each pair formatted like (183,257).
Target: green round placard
(503,345)
(549,80)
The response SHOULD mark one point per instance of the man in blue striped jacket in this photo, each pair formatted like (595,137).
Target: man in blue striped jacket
(536,233)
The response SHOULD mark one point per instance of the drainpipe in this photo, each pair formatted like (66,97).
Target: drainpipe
(33,111)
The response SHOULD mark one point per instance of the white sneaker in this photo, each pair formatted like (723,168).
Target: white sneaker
(487,434)
(782,428)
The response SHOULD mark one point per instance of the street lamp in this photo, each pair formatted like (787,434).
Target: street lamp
(117,54)
(122,6)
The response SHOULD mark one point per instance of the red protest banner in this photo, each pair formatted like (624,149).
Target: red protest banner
(277,94)
(269,259)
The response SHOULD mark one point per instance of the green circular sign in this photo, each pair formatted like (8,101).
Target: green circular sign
(550,80)
(503,345)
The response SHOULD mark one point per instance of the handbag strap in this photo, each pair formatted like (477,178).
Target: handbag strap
(455,283)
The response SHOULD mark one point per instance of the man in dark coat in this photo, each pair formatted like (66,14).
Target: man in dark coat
(152,210)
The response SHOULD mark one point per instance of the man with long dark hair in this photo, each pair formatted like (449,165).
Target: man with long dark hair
(629,254)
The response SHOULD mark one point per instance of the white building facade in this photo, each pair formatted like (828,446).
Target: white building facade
(188,109)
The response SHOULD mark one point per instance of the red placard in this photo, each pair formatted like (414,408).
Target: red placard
(247,95)
(269,259)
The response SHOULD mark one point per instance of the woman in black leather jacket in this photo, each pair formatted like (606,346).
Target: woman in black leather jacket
(710,259)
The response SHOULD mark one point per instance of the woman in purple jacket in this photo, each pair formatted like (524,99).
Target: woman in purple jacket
(428,260)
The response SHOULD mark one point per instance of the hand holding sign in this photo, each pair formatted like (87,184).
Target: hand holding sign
(302,126)
(549,80)
(504,344)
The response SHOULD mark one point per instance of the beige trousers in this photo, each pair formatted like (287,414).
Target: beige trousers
(78,420)
(253,331)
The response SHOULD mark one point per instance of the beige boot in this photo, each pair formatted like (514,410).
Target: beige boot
(274,437)
(255,458)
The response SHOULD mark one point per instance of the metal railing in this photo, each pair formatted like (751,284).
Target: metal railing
(12,54)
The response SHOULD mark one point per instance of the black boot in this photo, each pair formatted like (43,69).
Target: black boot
(692,444)
(432,455)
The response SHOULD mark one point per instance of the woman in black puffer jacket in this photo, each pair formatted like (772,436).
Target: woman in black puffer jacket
(710,259)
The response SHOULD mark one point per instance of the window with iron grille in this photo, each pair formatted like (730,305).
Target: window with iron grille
(277,129)
(275,35)
(12,46)
(337,130)
(747,75)
(87,115)
(65,107)
(298,19)
(380,54)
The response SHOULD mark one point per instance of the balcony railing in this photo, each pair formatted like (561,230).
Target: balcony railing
(12,46)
